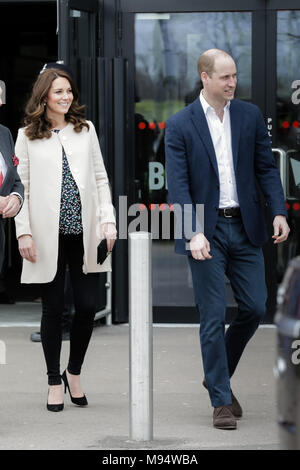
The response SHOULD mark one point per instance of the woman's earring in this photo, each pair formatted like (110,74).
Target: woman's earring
(45,103)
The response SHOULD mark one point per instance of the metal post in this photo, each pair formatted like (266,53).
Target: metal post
(141,337)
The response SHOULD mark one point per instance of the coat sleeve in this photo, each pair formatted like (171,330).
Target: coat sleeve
(107,212)
(22,220)
(188,221)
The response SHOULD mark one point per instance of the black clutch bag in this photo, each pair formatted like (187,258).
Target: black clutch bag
(102,251)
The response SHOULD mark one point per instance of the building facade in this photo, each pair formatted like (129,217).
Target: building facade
(135,62)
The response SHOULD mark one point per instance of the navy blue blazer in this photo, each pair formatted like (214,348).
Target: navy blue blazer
(192,170)
(12,182)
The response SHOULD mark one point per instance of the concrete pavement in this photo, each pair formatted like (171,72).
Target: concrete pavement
(182,411)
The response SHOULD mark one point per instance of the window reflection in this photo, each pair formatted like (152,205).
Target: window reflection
(288,125)
(82,53)
(288,79)
(167,48)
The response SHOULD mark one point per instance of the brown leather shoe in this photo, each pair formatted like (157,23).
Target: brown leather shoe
(223,418)
(236,407)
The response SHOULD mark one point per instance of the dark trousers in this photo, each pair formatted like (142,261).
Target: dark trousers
(70,252)
(232,255)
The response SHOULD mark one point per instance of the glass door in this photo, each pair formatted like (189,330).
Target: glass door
(288,123)
(167,47)
(162,42)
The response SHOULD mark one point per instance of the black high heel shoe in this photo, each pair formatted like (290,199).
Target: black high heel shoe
(80,401)
(56,407)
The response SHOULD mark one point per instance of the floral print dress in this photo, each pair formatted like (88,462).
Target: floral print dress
(70,222)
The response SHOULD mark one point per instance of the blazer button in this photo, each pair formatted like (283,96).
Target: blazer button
(64,137)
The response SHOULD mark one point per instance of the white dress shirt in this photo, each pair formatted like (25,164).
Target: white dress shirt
(220,132)
(3,166)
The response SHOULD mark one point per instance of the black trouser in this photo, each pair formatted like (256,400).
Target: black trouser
(70,251)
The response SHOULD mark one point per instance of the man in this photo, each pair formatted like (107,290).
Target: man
(218,152)
(11,188)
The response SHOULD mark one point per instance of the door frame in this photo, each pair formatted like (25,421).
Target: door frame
(124,49)
(63,11)
(64,47)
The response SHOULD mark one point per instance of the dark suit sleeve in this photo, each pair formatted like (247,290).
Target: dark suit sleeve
(266,171)
(17,186)
(179,183)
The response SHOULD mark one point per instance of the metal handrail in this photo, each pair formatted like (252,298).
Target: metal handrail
(282,168)
(290,151)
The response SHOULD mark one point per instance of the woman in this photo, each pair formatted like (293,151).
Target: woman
(67,210)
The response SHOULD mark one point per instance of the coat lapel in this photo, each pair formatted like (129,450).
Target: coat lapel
(235,122)
(4,149)
(199,120)
(200,123)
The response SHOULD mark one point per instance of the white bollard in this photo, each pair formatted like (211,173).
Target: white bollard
(141,337)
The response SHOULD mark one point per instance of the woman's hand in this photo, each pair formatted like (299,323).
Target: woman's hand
(27,248)
(109,232)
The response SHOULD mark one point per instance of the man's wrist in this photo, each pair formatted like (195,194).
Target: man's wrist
(18,196)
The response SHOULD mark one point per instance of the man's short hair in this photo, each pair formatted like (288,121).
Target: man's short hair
(206,62)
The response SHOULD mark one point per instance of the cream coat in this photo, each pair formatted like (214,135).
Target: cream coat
(40,170)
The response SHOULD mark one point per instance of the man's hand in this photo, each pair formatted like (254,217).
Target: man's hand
(200,247)
(109,232)
(12,206)
(281,229)
(3,202)
(27,248)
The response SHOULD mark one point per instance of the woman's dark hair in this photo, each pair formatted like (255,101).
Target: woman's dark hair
(36,122)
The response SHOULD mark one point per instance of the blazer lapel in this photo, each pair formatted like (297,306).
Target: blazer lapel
(9,174)
(235,123)
(200,123)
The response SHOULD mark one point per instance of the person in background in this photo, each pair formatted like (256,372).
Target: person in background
(11,187)
(67,211)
